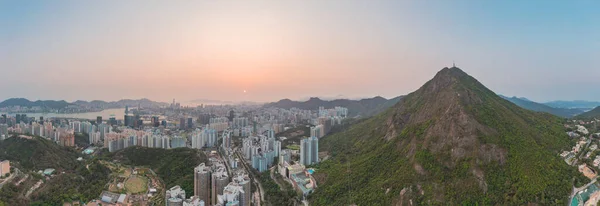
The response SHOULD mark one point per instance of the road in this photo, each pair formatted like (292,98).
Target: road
(37,185)
(256,182)
(273,177)
(12,176)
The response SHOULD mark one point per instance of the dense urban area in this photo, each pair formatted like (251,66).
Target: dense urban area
(242,154)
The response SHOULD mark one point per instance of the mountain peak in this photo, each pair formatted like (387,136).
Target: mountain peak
(457,142)
(451,72)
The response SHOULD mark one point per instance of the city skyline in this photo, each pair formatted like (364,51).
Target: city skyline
(266,51)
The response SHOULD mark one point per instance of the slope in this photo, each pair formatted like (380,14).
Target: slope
(37,154)
(452,141)
(594,113)
(534,106)
(363,107)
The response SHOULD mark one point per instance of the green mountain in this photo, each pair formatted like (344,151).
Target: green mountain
(174,166)
(364,107)
(534,106)
(594,113)
(38,154)
(451,142)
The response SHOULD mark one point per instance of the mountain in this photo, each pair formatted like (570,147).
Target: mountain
(573,104)
(534,106)
(73,180)
(52,104)
(594,113)
(39,103)
(363,107)
(121,103)
(451,142)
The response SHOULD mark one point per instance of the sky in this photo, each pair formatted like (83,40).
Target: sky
(269,50)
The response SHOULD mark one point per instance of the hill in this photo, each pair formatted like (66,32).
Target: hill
(594,113)
(38,154)
(534,106)
(51,104)
(573,104)
(363,107)
(174,166)
(451,142)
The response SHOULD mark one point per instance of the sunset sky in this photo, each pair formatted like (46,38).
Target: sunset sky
(109,50)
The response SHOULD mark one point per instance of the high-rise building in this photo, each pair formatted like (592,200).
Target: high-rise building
(226,139)
(129,120)
(155,121)
(175,196)
(177,142)
(220,179)
(244,181)
(314,149)
(3,131)
(202,177)
(285,156)
(182,123)
(190,123)
(210,137)
(98,119)
(204,119)
(231,115)
(309,151)
(112,121)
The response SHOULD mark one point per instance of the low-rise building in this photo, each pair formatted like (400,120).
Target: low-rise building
(4,168)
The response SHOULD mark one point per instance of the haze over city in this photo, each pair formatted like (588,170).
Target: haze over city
(112,50)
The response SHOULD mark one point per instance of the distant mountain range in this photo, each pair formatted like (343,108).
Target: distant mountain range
(538,107)
(52,104)
(586,105)
(363,107)
(39,103)
(121,103)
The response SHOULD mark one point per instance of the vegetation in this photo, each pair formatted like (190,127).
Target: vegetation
(454,142)
(82,140)
(594,113)
(84,185)
(38,154)
(11,194)
(294,135)
(275,195)
(173,166)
